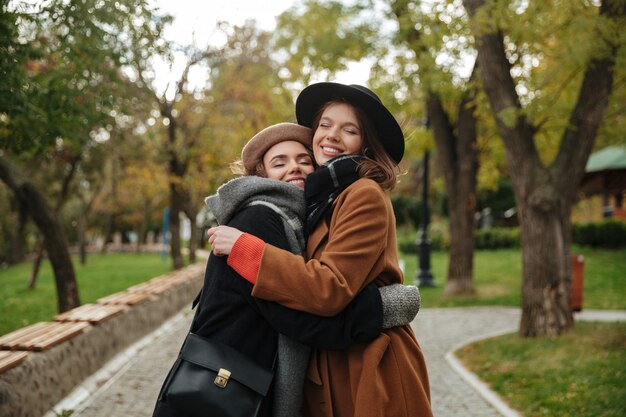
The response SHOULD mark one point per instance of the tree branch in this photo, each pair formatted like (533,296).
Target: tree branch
(590,107)
(66,182)
(500,88)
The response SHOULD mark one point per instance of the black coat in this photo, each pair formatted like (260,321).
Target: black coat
(228,313)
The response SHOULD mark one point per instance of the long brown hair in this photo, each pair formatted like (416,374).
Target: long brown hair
(377,165)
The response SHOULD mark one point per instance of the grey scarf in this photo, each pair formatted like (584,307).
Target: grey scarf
(285,199)
(288,201)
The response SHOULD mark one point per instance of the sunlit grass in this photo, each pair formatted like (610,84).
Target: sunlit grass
(580,374)
(497,278)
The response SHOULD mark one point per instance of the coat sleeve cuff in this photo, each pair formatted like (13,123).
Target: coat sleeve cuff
(245,256)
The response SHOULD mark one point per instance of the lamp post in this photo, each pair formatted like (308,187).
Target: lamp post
(424,276)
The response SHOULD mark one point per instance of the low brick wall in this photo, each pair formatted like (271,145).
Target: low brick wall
(33,387)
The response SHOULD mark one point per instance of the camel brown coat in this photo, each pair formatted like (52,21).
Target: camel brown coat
(354,246)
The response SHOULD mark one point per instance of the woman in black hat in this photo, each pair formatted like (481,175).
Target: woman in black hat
(351,243)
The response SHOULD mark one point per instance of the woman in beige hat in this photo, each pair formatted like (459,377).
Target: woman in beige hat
(268,202)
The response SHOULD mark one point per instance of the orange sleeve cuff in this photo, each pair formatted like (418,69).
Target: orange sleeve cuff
(245,256)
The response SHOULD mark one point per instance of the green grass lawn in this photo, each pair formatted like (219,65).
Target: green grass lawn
(101,276)
(497,279)
(580,374)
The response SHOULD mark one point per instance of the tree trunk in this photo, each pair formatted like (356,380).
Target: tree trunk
(175,243)
(82,240)
(545,195)
(177,200)
(457,157)
(86,207)
(34,273)
(546,265)
(192,214)
(110,226)
(193,242)
(17,252)
(140,233)
(461,262)
(60,200)
(108,232)
(50,228)
(143,226)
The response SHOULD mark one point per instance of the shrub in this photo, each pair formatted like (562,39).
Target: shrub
(610,234)
(407,210)
(606,234)
(497,238)
(493,238)
(407,243)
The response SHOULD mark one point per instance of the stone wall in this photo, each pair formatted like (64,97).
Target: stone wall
(33,387)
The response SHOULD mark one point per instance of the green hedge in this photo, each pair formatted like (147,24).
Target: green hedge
(609,234)
(407,210)
(606,234)
(494,238)
(498,238)
(408,244)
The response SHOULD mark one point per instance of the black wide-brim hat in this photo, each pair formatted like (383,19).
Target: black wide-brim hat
(314,96)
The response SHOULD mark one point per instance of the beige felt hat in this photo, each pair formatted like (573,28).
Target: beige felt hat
(253,151)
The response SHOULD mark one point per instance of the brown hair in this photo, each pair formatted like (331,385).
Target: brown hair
(237,167)
(377,164)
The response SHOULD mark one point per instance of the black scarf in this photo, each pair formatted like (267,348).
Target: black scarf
(324,185)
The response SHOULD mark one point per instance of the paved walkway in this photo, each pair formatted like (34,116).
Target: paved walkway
(129,385)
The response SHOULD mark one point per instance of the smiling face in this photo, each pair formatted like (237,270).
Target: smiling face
(288,161)
(338,133)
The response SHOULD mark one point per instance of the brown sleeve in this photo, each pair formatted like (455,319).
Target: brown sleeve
(325,286)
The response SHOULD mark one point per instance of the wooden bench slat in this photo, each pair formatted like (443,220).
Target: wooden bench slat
(143,287)
(154,287)
(126,298)
(163,282)
(63,332)
(72,314)
(93,313)
(9,339)
(42,336)
(111,299)
(65,316)
(10,359)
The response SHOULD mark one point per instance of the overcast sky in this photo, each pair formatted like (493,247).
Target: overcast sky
(196,20)
(201,16)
